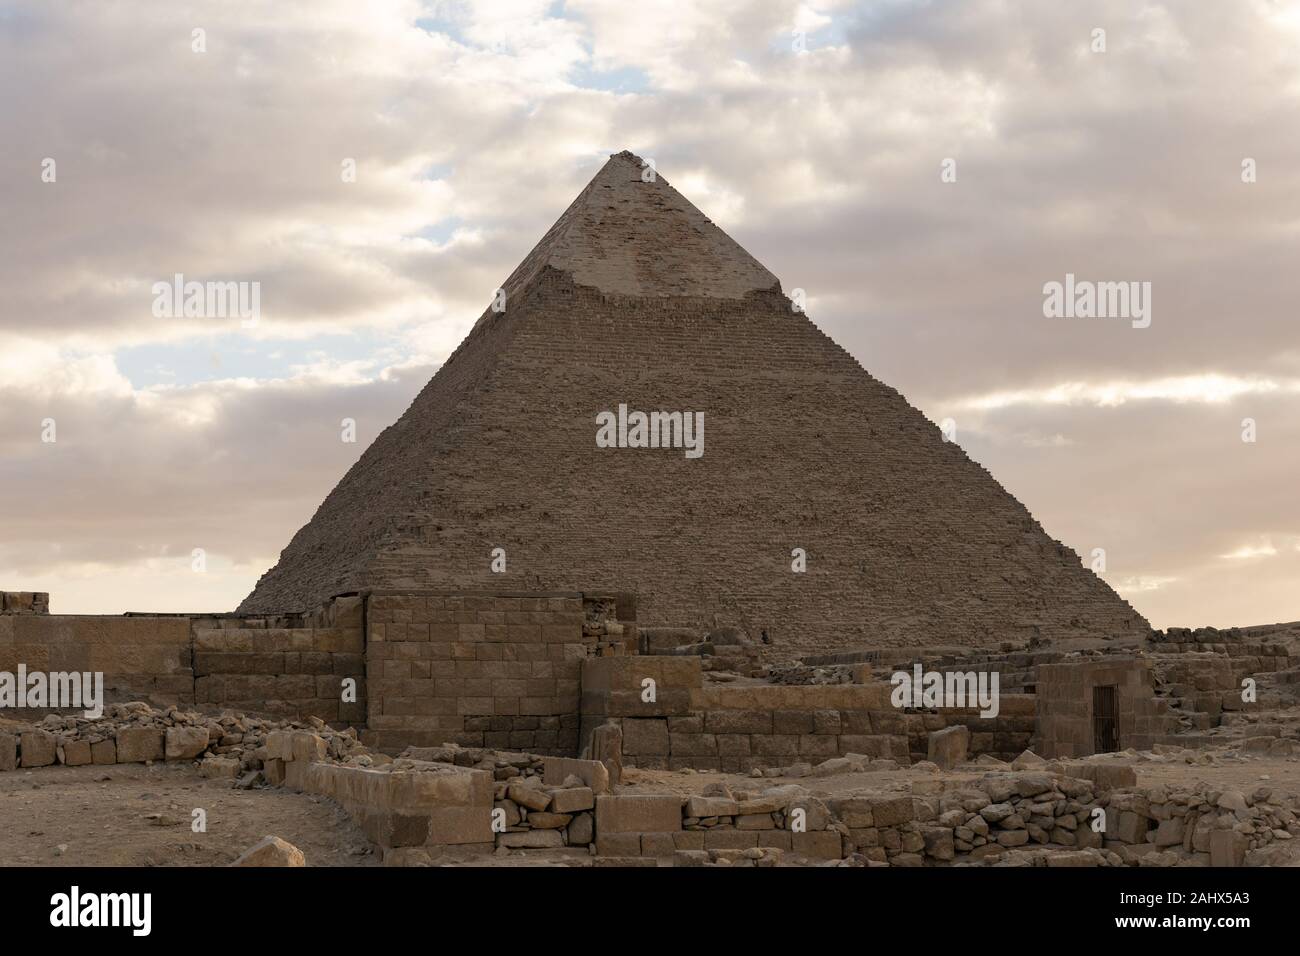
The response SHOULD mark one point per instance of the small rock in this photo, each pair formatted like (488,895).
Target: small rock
(271,851)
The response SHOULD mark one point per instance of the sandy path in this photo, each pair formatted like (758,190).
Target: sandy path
(104,822)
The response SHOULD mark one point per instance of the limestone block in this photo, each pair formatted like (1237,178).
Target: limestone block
(701,807)
(648,813)
(1227,848)
(817,844)
(103,752)
(949,747)
(572,800)
(531,839)
(591,772)
(185,743)
(38,748)
(271,851)
(139,744)
(582,829)
(76,753)
(892,811)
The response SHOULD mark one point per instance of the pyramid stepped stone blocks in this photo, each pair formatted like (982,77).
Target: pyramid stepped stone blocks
(635,298)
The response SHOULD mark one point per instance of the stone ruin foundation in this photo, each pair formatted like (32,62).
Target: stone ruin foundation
(550,727)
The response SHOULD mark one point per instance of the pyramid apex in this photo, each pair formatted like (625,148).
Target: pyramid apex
(629,155)
(631,233)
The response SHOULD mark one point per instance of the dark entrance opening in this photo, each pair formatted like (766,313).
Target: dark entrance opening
(1105,719)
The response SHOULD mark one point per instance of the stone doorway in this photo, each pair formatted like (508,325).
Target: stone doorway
(1105,718)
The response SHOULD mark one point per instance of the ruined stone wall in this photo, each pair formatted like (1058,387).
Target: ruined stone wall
(287,666)
(1065,706)
(1250,650)
(734,728)
(1005,736)
(24,602)
(142,658)
(494,670)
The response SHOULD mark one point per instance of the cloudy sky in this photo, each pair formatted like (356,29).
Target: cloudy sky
(815,133)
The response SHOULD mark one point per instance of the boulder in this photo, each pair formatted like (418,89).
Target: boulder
(185,743)
(271,851)
(139,744)
(949,747)
(39,747)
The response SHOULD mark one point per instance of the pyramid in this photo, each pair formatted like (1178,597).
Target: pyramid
(635,298)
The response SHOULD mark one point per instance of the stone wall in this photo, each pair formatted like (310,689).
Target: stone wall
(142,658)
(24,602)
(734,728)
(1065,711)
(479,670)
(1004,736)
(287,666)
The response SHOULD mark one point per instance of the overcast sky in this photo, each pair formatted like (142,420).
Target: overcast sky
(815,133)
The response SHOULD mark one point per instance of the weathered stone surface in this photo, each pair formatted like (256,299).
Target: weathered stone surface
(892,811)
(8,752)
(76,753)
(139,744)
(103,752)
(458,826)
(1170,832)
(817,844)
(645,737)
(593,773)
(938,843)
(1227,848)
(218,767)
(649,813)
(185,743)
(948,747)
(1232,800)
(572,800)
(38,748)
(548,821)
(534,798)
(607,748)
(582,829)
(710,807)
(273,771)
(531,839)
(271,851)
